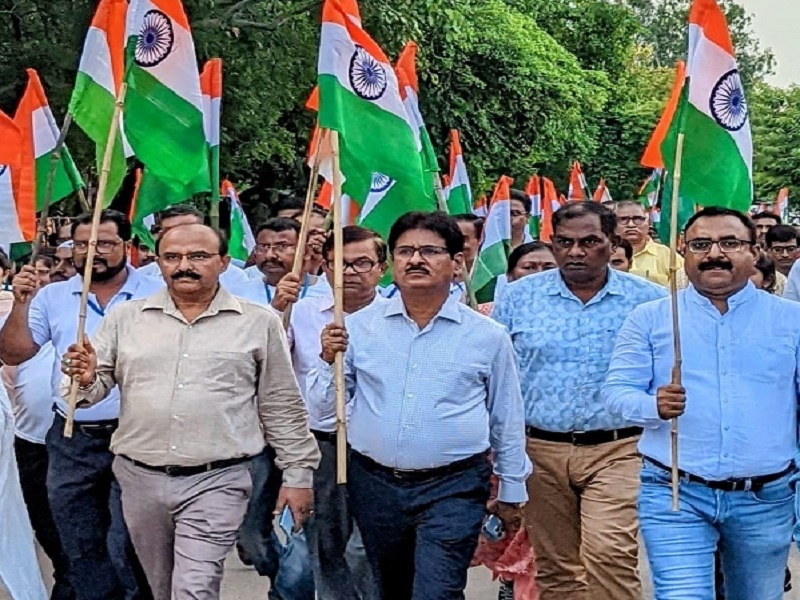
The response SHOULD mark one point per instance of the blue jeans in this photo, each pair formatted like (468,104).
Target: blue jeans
(420,536)
(87,510)
(287,566)
(753,530)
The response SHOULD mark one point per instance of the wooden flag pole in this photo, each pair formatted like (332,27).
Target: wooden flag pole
(55,157)
(676,332)
(302,239)
(90,254)
(338,310)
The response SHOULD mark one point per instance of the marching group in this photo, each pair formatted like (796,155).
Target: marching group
(540,421)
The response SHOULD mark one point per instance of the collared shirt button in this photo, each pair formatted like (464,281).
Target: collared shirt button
(409,395)
(185,355)
(174,417)
(174,447)
(180,386)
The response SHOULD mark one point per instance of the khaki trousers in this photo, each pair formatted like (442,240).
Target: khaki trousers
(183,528)
(582,522)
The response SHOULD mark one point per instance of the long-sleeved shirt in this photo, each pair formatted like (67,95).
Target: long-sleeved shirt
(425,398)
(740,371)
(309,318)
(53,317)
(792,290)
(201,391)
(563,346)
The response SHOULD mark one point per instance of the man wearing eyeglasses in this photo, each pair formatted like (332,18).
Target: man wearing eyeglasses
(737,418)
(781,243)
(84,495)
(204,379)
(432,387)
(582,516)
(650,259)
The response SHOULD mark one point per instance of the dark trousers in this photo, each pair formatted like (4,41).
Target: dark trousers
(32,467)
(419,535)
(85,503)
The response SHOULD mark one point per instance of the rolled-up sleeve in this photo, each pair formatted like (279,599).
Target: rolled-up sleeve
(283,413)
(507,425)
(105,344)
(626,390)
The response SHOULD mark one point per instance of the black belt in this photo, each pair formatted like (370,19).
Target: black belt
(740,484)
(180,471)
(423,474)
(92,427)
(324,436)
(583,438)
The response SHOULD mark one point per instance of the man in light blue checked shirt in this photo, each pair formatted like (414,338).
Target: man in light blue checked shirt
(737,426)
(582,516)
(433,387)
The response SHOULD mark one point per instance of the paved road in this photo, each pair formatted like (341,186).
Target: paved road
(242,583)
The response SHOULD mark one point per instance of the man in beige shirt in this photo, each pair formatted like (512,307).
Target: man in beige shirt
(650,259)
(204,378)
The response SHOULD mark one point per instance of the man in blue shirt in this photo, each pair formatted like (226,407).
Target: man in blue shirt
(737,426)
(582,515)
(432,386)
(84,496)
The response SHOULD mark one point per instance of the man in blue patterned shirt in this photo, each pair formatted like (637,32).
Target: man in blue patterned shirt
(432,386)
(563,323)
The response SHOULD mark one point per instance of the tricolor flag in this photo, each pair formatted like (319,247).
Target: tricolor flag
(242,241)
(713,116)
(533,190)
(211,87)
(141,225)
(577,184)
(781,206)
(17,222)
(100,75)
(359,96)
(652,154)
(480,208)
(492,259)
(39,139)
(325,200)
(164,120)
(649,192)
(601,194)
(551,202)
(459,191)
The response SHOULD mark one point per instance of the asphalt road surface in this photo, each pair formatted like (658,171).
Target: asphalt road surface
(243,583)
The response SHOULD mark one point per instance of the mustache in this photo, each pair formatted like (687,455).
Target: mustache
(715,263)
(185,274)
(418,270)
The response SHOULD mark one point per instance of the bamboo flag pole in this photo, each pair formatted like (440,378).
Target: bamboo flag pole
(90,254)
(55,157)
(302,240)
(676,333)
(338,309)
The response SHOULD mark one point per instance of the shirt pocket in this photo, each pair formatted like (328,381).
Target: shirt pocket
(765,358)
(455,386)
(223,371)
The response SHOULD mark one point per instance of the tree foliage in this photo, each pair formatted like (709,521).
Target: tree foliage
(531,84)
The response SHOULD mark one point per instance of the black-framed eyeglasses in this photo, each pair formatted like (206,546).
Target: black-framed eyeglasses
(426,252)
(726,246)
(362,265)
(102,247)
(197,258)
(636,220)
(780,250)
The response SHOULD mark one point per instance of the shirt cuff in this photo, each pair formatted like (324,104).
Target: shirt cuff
(512,492)
(650,410)
(298,477)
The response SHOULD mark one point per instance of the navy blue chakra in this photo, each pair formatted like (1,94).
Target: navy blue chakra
(156,39)
(3,170)
(380,183)
(728,104)
(367,75)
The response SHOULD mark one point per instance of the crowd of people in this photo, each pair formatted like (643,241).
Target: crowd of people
(534,428)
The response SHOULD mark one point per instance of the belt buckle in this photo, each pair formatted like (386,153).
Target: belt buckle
(171,470)
(748,484)
(575,437)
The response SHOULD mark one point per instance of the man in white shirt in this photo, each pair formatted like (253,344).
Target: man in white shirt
(341,569)
(185,214)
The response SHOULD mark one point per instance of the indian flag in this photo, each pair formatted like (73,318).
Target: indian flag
(211,86)
(359,96)
(100,74)
(601,194)
(577,184)
(141,225)
(242,241)
(459,191)
(492,260)
(650,190)
(533,191)
(17,222)
(551,202)
(781,206)
(713,117)
(480,208)
(164,119)
(40,135)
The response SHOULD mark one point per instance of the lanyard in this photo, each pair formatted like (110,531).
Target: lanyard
(98,310)
(303,291)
